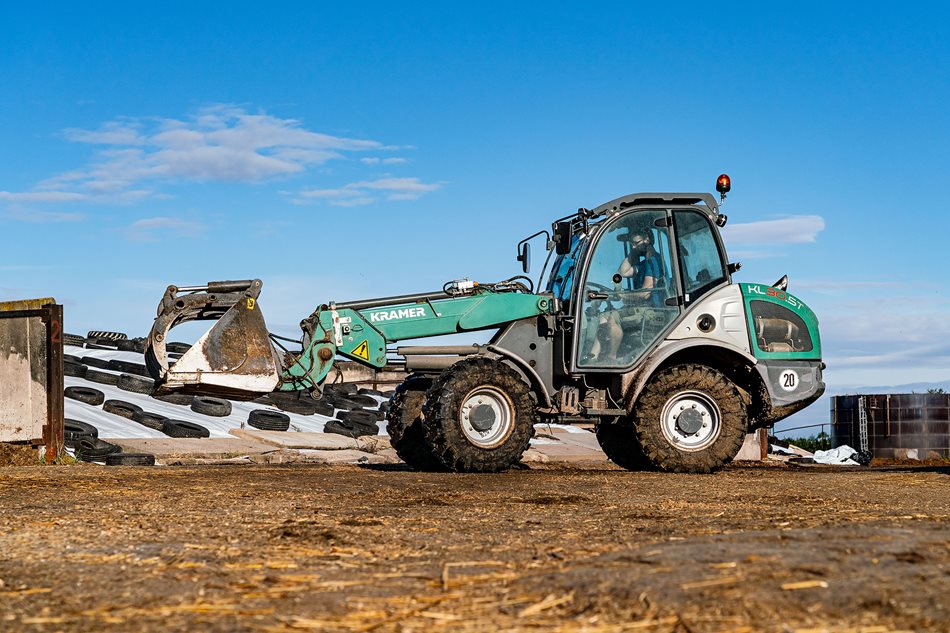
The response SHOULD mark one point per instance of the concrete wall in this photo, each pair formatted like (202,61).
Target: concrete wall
(24,377)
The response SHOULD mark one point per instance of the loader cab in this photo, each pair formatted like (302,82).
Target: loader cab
(636,276)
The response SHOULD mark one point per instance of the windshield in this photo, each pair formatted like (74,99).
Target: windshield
(562,275)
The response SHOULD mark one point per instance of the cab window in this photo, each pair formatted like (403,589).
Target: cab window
(562,274)
(624,306)
(702,264)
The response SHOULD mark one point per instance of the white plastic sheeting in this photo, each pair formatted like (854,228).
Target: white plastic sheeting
(840,456)
(115,426)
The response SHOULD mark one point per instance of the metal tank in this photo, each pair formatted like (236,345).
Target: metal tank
(896,423)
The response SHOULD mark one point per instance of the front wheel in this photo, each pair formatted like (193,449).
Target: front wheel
(405,425)
(690,419)
(479,416)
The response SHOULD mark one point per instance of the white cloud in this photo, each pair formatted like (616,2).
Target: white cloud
(376,160)
(368,191)
(41,196)
(797,229)
(42,217)
(147,229)
(220,143)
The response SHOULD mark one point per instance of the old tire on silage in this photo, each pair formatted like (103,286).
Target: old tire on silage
(101,377)
(77,370)
(90,449)
(716,409)
(85,395)
(268,420)
(121,408)
(125,367)
(151,420)
(215,407)
(135,384)
(182,428)
(130,459)
(75,430)
(479,416)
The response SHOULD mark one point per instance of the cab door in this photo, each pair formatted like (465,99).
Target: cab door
(628,293)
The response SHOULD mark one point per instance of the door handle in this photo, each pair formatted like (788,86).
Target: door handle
(594,296)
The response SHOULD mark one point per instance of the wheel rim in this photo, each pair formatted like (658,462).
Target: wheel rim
(691,421)
(487,417)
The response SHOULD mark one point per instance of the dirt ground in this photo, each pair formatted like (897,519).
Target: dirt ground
(303,547)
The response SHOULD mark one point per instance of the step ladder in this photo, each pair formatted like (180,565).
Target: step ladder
(862,424)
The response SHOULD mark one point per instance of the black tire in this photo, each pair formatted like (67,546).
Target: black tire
(109,336)
(618,440)
(718,407)
(136,369)
(77,370)
(135,384)
(367,402)
(359,416)
(100,343)
(74,339)
(338,401)
(346,388)
(130,459)
(74,430)
(268,420)
(120,407)
(101,377)
(215,407)
(136,345)
(94,449)
(87,395)
(404,425)
(151,420)
(496,395)
(298,402)
(366,391)
(177,348)
(323,408)
(339,427)
(181,428)
(181,399)
(98,363)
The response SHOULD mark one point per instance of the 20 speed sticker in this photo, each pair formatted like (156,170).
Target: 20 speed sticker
(788,380)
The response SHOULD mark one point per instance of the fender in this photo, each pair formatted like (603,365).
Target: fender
(633,382)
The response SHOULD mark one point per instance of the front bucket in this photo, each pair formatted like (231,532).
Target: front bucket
(235,357)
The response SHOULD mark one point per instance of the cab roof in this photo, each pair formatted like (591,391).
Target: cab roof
(657,199)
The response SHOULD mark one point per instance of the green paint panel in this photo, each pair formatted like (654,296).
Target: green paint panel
(768,294)
(372,329)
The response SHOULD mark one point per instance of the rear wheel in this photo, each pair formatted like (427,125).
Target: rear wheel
(618,440)
(690,419)
(404,423)
(479,416)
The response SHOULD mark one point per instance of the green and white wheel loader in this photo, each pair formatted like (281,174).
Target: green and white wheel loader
(638,329)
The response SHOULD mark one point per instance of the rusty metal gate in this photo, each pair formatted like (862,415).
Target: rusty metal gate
(31,374)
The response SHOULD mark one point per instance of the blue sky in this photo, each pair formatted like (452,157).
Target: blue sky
(340,152)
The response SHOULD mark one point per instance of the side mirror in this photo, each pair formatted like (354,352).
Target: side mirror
(524,256)
(562,238)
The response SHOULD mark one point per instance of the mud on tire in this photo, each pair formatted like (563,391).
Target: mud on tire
(618,440)
(405,422)
(708,398)
(480,416)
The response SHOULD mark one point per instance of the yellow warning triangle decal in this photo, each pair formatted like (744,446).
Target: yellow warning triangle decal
(362,351)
